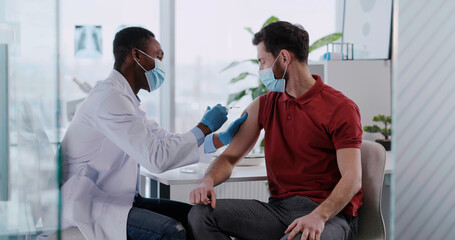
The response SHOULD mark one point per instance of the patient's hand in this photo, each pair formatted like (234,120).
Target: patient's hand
(310,225)
(204,193)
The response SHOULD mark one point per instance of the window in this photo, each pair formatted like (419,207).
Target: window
(87,31)
(211,34)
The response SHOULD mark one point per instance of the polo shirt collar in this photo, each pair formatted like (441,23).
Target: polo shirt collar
(309,95)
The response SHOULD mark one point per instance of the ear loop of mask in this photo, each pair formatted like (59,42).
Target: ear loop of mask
(145,55)
(139,64)
(285,68)
(284,74)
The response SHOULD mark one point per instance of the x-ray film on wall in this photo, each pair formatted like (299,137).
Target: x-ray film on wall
(88,42)
(367,24)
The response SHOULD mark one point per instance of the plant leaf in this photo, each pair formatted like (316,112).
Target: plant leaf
(324,40)
(235,63)
(241,76)
(258,91)
(372,129)
(255,61)
(386,132)
(249,30)
(380,118)
(254,92)
(270,20)
(236,97)
(388,119)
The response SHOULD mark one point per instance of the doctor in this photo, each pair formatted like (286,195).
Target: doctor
(109,137)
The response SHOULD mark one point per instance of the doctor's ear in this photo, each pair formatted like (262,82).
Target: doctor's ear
(136,54)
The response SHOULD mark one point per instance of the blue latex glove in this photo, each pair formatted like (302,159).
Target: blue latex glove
(215,117)
(227,136)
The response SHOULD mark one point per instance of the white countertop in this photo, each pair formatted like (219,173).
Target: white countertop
(177,177)
(240,174)
(389,162)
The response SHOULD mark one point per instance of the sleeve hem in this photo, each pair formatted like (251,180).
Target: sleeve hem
(198,134)
(347,145)
(209,147)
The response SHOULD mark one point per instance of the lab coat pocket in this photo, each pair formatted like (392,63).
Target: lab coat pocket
(89,201)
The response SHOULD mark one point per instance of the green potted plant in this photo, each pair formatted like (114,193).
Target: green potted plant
(260,88)
(386,131)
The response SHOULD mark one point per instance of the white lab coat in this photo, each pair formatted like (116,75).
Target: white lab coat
(106,140)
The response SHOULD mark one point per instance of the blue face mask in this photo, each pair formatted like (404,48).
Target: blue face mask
(155,77)
(268,78)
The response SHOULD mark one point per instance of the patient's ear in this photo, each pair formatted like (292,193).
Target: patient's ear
(286,56)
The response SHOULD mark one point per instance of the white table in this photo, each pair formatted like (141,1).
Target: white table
(388,163)
(161,183)
(239,174)
(177,177)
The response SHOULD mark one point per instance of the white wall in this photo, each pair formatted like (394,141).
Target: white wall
(366,82)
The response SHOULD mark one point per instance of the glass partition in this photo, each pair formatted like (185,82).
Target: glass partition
(30,203)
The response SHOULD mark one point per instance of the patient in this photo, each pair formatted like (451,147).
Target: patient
(312,150)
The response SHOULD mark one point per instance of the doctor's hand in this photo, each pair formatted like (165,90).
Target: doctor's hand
(310,225)
(215,118)
(227,136)
(204,193)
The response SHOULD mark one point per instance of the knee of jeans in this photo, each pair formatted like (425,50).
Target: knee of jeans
(197,213)
(173,230)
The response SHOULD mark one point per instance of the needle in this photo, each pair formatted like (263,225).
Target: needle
(229,108)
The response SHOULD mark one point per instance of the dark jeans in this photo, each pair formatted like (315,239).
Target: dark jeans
(252,219)
(157,219)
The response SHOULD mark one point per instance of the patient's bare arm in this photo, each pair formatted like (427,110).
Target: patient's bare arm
(221,168)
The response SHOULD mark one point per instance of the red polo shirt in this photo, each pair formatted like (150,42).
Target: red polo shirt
(301,138)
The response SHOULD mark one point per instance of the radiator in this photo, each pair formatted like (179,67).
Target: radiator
(238,190)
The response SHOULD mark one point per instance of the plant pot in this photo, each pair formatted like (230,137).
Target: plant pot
(387,144)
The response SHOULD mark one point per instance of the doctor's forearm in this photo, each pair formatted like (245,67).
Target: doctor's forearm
(204,129)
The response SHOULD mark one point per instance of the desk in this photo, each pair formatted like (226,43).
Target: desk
(388,163)
(162,182)
(177,177)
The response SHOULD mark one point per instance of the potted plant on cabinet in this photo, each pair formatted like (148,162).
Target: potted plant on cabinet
(386,131)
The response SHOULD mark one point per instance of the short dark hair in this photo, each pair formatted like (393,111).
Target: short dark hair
(127,39)
(284,35)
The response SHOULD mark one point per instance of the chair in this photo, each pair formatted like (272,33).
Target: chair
(371,222)
(36,156)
